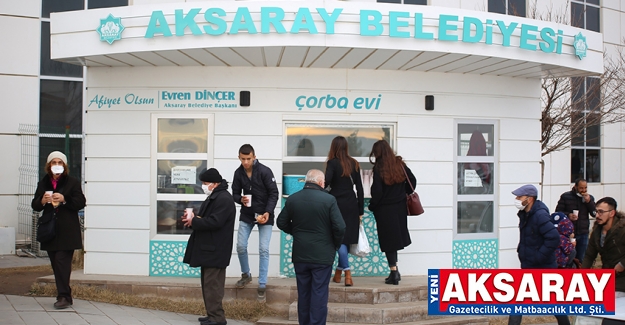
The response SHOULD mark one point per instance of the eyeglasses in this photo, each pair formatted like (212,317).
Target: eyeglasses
(602,212)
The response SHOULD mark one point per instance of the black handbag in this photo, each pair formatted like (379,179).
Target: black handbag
(413,203)
(46,226)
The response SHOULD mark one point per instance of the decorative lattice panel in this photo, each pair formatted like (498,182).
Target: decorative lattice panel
(166,259)
(374,264)
(475,254)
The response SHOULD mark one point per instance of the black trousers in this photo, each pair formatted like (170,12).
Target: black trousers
(213,282)
(312,292)
(62,266)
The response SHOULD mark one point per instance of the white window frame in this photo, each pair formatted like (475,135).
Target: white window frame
(477,197)
(155,156)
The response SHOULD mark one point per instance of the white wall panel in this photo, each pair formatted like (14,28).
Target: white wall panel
(10,145)
(117,146)
(20,100)
(257,124)
(446,3)
(117,217)
(419,263)
(611,135)
(516,150)
(268,147)
(117,263)
(436,196)
(117,170)
(25,8)
(425,149)
(610,18)
(612,165)
(423,172)
(508,213)
(23,58)
(520,128)
(477,5)
(425,127)
(519,172)
(117,240)
(558,167)
(433,219)
(554,195)
(117,122)
(508,238)
(8,216)
(509,259)
(135,194)
(612,190)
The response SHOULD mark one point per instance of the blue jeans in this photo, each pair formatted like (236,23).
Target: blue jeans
(312,292)
(582,244)
(264,237)
(343,258)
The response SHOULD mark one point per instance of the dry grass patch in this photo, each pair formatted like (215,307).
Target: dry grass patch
(23,269)
(246,310)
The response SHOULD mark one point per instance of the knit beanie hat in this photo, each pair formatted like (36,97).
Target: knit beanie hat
(57,154)
(211,175)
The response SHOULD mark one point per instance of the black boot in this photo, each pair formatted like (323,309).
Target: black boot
(398,276)
(393,278)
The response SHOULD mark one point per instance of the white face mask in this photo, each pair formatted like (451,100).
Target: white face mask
(519,204)
(206,190)
(57,169)
(579,194)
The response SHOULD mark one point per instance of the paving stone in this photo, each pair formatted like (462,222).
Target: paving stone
(98,319)
(24,303)
(68,319)
(84,307)
(37,318)
(10,317)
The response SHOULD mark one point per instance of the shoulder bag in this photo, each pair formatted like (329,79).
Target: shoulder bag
(46,226)
(413,203)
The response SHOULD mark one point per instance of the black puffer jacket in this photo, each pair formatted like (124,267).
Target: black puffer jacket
(210,244)
(539,238)
(263,188)
(68,234)
(569,201)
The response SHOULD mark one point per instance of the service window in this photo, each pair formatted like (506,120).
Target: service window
(182,152)
(475,170)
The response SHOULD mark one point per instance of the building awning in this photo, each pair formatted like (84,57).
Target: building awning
(324,34)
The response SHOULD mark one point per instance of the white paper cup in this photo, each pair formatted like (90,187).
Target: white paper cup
(49,192)
(249,200)
(576,212)
(572,240)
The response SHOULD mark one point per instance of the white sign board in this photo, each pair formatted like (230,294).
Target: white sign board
(472,179)
(183,175)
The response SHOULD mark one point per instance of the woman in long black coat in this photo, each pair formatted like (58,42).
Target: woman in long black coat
(66,199)
(342,173)
(388,203)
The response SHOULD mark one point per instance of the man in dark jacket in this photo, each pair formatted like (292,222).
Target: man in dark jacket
(577,200)
(606,239)
(538,239)
(256,180)
(313,218)
(210,244)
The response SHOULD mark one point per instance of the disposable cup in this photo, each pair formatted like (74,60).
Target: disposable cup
(576,212)
(249,200)
(189,212)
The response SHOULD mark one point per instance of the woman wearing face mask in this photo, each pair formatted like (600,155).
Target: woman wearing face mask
(62,194)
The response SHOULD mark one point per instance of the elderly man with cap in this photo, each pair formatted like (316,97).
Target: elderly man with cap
(538,238)
(210,243)
(60,196)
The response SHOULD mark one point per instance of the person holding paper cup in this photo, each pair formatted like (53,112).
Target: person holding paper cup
(254,188)
(61,194)
(579,206)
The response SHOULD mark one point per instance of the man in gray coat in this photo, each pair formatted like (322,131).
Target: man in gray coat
(313,218)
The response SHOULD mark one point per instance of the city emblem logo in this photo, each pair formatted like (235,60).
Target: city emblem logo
(580,46)
(110,29)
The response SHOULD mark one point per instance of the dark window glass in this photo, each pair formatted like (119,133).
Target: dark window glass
(94,4)
(516,8)
(594,2)
(593,94)
(416,2)
(577,128)
(48,6)
(578,89)
(577,15)
(74,155)
(60,106)
(593,166)
(475,217)
(54,68)
(498,6)
(577,164)
(592,19)
(593,130)
(390,1)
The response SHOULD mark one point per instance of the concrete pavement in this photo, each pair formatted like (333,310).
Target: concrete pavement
(20,310)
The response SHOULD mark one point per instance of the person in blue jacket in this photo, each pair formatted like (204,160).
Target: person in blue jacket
(538,239)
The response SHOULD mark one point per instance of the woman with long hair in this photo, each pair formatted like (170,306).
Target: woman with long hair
(388,203)
(61,194)
(342,173)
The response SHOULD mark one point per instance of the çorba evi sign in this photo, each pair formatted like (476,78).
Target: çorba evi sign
(401,24)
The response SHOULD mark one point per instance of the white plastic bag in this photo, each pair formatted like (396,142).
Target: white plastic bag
(362,248)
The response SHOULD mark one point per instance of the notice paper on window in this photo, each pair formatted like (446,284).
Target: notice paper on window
(183,175)
(472,179)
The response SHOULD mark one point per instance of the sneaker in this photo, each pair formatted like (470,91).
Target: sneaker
(261,295)
(245,279)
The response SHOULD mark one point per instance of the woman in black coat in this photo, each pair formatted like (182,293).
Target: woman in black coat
(61,194)
(388,203)
(342,173)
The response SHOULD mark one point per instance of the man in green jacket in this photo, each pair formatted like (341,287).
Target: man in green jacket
(313,218)
(606,239)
